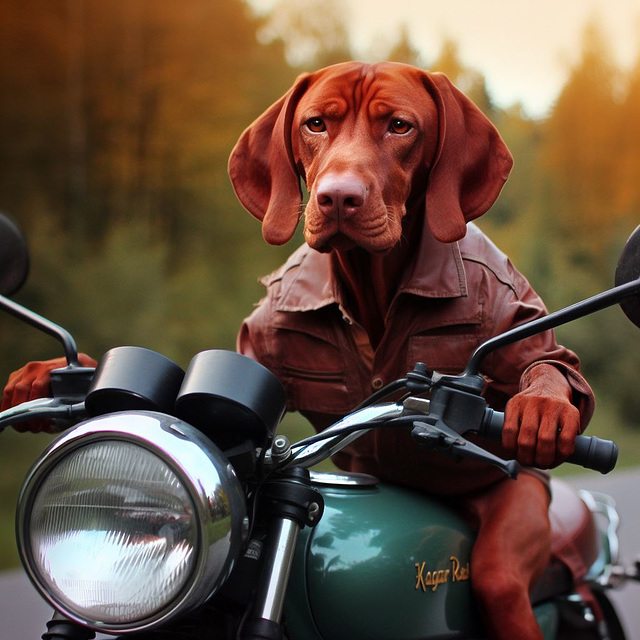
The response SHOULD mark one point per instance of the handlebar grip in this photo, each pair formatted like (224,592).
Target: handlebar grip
(590,452)
(594,453)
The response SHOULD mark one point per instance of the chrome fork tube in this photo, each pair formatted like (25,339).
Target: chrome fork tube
(290,503)
(275,576)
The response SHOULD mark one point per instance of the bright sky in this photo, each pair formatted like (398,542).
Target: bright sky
(524,48)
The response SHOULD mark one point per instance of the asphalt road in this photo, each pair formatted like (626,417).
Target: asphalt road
(23,614)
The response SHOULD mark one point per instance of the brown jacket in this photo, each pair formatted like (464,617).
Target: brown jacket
(452,298)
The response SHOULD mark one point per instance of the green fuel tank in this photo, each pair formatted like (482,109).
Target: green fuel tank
(384,563)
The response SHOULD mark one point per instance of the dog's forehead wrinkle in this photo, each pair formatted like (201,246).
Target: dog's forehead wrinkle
(333,107)
(335,94)
(373,99)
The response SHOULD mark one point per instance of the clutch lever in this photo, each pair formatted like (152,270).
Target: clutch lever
(439,437)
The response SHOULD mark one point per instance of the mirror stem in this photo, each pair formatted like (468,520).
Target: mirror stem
(555,319)
(37,321)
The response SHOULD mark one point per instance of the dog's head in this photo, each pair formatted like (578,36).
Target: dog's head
(367,140)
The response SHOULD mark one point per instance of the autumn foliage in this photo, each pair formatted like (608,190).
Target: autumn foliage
(116,121)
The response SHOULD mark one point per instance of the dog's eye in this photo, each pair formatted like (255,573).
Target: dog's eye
(316,125)
(399,126)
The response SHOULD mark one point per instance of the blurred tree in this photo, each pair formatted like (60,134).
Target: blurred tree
(589,156)
(470,81)
(403,50)
(189,75)
(314,34)
(628,195)
(116,128)
(580,149)
(449,62)
(33,108)
(129,109)
(515,221)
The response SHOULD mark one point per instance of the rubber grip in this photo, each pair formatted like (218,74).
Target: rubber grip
(590,452)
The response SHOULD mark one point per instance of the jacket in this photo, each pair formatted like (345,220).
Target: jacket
(452,298)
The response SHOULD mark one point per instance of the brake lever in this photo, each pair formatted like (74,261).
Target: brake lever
(441,438)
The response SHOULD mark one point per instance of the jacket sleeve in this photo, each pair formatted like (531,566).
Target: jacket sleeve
(256,338)
(509,369)
(251,337)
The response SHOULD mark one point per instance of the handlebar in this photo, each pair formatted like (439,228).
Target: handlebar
(590,452)
(41,408)
(307,453)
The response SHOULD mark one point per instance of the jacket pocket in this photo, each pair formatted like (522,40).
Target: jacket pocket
(314,373)
(445,352)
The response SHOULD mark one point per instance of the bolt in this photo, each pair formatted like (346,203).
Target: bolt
(314,510)
(280,449)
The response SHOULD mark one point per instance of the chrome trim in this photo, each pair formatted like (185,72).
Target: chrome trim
(605,505)
(308,455)
(420,405)
(277,567)
(347,479)
(200,466)
(601,504)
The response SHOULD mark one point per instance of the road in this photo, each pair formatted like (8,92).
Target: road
(23,614)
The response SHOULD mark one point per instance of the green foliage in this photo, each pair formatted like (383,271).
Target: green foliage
(19,451)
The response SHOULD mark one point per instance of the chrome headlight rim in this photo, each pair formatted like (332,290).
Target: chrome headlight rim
(184,450)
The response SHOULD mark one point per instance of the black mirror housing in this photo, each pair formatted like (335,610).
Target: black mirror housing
(628,270)
(14,257)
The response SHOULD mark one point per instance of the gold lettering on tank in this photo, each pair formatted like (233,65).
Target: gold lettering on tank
(430,580)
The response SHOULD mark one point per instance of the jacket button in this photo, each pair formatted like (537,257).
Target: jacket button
(377,383)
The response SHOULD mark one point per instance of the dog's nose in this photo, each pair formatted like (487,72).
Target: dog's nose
(340,196)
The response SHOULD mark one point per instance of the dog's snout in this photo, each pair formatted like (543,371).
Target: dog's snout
(340,195)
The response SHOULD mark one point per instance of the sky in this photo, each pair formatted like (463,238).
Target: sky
(524,48)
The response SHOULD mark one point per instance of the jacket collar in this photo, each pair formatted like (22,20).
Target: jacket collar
(308,281)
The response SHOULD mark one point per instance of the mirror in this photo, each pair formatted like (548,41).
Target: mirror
(14,257)
(628,270)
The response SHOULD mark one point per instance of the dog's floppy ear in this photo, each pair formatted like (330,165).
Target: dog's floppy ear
(262,168)
(470,166)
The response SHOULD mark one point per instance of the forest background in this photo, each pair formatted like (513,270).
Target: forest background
(116,122)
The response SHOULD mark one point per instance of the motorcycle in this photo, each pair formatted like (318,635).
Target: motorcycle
(170,507)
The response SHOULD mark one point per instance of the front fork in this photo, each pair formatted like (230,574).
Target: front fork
(289,502)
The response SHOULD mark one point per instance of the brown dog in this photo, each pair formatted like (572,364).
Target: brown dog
(366,155)
(382,148)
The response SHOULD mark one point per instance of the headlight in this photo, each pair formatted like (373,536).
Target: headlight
(129,520)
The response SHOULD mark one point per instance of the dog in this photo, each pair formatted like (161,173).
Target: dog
(397,163)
